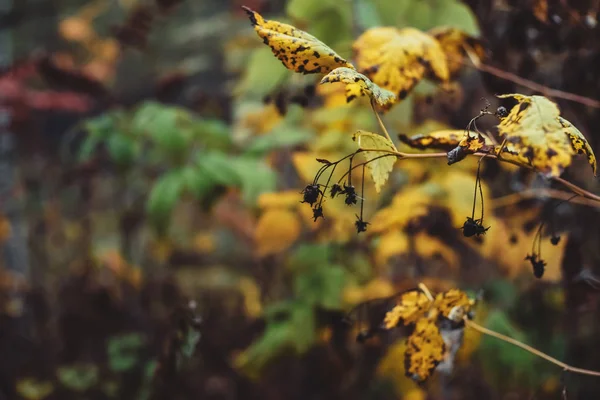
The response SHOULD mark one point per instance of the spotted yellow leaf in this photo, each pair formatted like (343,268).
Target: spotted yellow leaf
(455,43)
(536,132)
(380,163)
(453,304)
(425,350)
(359,85)
(296,49)
(397,59)
(471,142)
(410,306)
(446,139)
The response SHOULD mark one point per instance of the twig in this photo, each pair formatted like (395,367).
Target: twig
(509,76)
(514,198)
(528,348)
(387,135)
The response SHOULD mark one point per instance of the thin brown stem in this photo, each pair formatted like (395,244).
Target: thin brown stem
(509,76)
(515,198)
(381,125)
(514,342)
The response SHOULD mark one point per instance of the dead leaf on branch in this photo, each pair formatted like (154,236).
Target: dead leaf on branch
(446,140)
(410,307)
(359,85)
(397,59)
(296,49)
(379,163)
(538,134)
(425,350)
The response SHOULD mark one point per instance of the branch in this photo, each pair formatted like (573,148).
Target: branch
(509,76)
(528,348)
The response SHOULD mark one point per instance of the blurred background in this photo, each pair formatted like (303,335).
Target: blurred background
(153,243)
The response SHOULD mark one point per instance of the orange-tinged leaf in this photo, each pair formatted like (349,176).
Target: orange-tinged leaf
(380,163)
(296,49)
(425,350)
(410,307)
(359,85)
(390,368)
(538,135)
(397,59)
(276,231)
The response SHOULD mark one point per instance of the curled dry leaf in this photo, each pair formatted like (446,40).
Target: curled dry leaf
(296,49)
(425,350)
(471,142)
(453,304)
(410,307)
(445,140)
(380,163)
(540,137)
(359,85)
(397,59)
(455,43)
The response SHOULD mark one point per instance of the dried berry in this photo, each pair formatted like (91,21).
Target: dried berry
(335,190)
(317,212)
(311,194)
(538,265)
(555,239)
(361,226)
(473,227)
(501,112)
(350,193)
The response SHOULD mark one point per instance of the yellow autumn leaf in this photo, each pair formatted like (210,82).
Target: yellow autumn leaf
(425,350)
(397,59)
(359,85)
(296,49)
(454,43)
(453,304)
(276,231)
(410,307)
(380,163)
(538,134)
(285,199)
(446,139)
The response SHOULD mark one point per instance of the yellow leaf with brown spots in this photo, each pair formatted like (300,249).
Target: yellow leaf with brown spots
(397,59)
(540,137)
(296,49)
(410,307)
(359,85)
(445,140)
(380,163)
(425,350)
(453,304)
(454,43)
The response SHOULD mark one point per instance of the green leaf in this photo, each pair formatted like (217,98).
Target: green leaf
(213,133)
(162,199)
(290,327)
(256,178)
(322,287)
(310,256)
(123,351)
(425,15)
(263,74)
(122,149)
(505,363)
(78,377)
(282,137)
(367,14)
